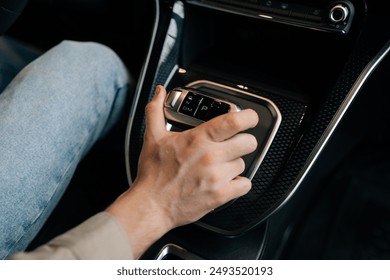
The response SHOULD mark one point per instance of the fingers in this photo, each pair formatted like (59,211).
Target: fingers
(233,168)
(237,146)
(155,120)
(239,186)
(225,126)
(218,129)
(236,188)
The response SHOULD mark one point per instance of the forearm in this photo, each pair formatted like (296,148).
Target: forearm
(100,237)
(141,217)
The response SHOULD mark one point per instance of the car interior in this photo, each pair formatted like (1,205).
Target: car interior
(315,72)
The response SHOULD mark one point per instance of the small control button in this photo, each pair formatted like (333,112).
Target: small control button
(190,104)
(204,109)
(268,6)
(218,108)
(339,13)
(173,97)
(283,8)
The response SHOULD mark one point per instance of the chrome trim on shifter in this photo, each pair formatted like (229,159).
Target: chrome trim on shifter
(179,252)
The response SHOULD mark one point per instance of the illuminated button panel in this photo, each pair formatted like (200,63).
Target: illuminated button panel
(191,107)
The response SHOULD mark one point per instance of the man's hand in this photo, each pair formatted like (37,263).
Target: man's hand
(182,176)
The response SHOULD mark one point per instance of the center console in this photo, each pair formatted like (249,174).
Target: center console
(295,62)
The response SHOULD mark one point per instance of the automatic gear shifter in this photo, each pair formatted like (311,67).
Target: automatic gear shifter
(187,107)
(190,107)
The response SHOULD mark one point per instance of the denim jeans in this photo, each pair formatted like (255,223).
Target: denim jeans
(51,114)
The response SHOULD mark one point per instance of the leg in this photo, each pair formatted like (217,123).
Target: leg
(50,116)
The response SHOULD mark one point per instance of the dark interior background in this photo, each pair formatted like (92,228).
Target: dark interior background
(347,217)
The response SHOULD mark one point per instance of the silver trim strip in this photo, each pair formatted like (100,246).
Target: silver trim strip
(138,93)
(371,66)
(139,86)
(177,251)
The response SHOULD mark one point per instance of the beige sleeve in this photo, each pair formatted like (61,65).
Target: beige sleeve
(100,237)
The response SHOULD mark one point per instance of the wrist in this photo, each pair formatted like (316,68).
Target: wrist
(141,217)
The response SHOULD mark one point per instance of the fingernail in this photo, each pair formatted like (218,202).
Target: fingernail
(157,90)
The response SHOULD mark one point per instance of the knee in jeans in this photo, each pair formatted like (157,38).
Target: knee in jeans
(89,52)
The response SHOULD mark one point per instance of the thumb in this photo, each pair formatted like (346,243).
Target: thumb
(155,120)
